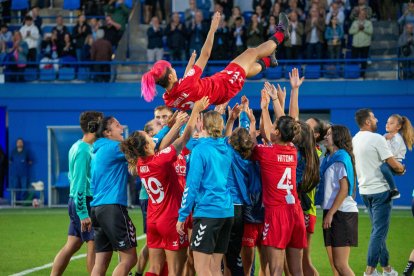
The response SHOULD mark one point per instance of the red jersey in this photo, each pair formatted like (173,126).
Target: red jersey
(278,171)
(219,88)
(159,177)
(181,169)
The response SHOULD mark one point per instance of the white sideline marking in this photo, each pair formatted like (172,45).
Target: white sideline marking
(31,270)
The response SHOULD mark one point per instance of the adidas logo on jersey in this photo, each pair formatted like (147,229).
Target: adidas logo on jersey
(143,169)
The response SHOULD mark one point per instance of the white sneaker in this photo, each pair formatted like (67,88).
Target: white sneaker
(375,273)
(391,273)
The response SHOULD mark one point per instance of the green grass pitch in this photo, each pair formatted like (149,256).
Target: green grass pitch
(31,238)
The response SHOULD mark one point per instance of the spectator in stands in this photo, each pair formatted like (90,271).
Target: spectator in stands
(160,10)
(276,10)
(293,45)
(362,5)
(217,8)
(333,35)
(95,24)
(189,13)
(112,31)
(30,35)
(86,50)
(335,11)
(406,44)
(293,7)
(17,58)
(239,37)
(176,33)
(362,31)
(101,51)
(222,42)
(68,55)
(314,30)
(20,163)
(50,52)
(271,26)
(408,15)
(197,33)
(37,20)
(266,5)
(254,35)
(227,7)
(80,32)
(155,49)
(61,30)
(6,40)
(261,18)
(119,13)
(204,6)
(236,12)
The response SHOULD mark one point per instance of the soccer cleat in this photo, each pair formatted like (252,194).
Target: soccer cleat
(374,273)
(283,25)
(273,59)
(391,273)
(394,194)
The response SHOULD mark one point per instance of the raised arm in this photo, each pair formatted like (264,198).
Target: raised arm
(273,94)
(191,62)
(233,115)
(252,120)
(208,44)
(295,83)
(172,135)
(199,106)
(267,122)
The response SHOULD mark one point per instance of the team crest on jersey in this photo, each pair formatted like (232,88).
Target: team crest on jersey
(190,73)
(166,150)
(143,169)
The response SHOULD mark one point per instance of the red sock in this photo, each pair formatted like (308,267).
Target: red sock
(164,271)
(266,61)
(150,274)
(279,36)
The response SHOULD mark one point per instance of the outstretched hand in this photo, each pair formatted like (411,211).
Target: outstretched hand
(245,103)
(270,90)
(265,99)
(221,108)
(295,81)
(171,121)
(215,21)
(234,112)
(201,104)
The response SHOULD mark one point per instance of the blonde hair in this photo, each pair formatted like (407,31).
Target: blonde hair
(406,130)
(213,124)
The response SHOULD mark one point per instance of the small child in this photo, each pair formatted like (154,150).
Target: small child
(399,136)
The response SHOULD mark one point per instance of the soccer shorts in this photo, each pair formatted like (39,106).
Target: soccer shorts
(343,231)
(113,227)
(310,222)
(284,226)
(75,223)
(252,235)
(163,234)
(231,79)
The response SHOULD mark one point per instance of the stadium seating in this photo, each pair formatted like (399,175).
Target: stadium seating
(274,73)
(312,71)
(30,74)
(351,71)
(47,74)
(83,74)
(288,69)
(66,74)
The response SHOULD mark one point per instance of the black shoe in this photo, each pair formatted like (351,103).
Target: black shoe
(394,194)
(283,25)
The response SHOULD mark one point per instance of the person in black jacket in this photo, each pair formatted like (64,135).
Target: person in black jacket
(80,32)
(176,37)
(155,50)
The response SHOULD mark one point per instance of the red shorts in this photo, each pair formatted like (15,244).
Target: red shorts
(310,221)
(163,234)
(232,79)
(252,234)
(284,226)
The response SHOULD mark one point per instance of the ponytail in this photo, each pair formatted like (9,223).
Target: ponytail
(157,75)
(407,132)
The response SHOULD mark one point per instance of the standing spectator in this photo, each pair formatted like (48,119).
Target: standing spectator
(362,5)
(30,35)
(155,50)
(293,7)
(271,26)
(293,45)
(260,16)
(68,54)
(406,44)
(333,35)
(189,13)
(198,33)
(222,42)
(101,51)
(314,30)
(3,170)
(227,7)
(20,162)
(276,10)
(204,6)
(254,32)
(119,13)
(95,24)
(236,12)
(50,52)
(408,15)
(61,30)
(37,20)
(371,150)
(239,37)
(80,32)
(17,57)
(176,38)
(335,11)
(362,31)
(6,41)
(266,5)
(112,32)
(86,49)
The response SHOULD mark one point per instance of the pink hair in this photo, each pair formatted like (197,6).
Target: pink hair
(150,78)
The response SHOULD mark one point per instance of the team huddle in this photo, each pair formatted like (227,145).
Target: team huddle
(212,193)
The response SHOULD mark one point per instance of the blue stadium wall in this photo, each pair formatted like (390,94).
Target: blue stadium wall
(30,108)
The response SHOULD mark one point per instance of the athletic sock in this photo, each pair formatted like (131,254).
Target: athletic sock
(150,274)
(264,62)
(408,271)
(278,37)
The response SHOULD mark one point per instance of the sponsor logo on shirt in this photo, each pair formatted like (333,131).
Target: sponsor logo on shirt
(166,150)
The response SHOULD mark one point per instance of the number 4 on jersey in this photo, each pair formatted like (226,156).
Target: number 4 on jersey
(285,183)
